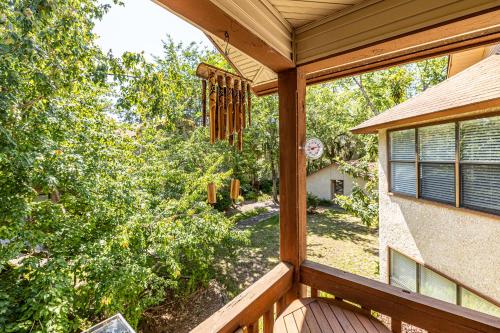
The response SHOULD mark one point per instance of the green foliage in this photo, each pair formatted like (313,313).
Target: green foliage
(363,202)
(312,202)
(127,220)
(334,108)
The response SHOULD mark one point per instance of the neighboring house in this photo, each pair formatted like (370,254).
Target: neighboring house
(439,184)
(328,182)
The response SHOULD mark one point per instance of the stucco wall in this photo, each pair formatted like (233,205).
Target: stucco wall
(318,183)
(462,244)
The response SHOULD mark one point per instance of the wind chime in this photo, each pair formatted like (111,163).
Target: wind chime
(229,112)
(229,104)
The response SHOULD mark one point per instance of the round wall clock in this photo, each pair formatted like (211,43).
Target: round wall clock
(313,148)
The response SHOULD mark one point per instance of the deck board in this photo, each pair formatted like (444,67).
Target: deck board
(320,315)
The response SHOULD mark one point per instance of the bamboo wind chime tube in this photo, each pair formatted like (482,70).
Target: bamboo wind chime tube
(235,189)
(243,105)
(212,193)
(237,117)
(249,96)
(212,105)
(221,107)
(204,102)
(229,108)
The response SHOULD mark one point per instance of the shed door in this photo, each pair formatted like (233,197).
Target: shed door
(336,187)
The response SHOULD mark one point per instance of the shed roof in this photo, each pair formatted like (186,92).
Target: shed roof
(475,88)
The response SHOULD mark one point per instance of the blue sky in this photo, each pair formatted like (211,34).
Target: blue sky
(141,25)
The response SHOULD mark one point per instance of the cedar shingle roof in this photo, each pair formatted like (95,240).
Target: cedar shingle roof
(475,88)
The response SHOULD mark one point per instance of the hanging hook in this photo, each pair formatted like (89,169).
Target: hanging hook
(226,39)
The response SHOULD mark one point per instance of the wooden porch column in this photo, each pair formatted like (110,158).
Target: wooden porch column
(292,131)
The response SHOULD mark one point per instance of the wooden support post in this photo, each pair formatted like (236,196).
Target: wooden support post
(292,131)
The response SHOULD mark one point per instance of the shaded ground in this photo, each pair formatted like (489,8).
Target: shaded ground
(334,238)
(179,316)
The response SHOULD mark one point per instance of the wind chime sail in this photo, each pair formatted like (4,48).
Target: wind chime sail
(229,104)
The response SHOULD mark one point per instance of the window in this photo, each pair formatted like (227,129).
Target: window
(402,159)
(337,188)
(434,285)
(407,274)
(455,163)
(480,164)
(403,272)
(472,301)
(436,146)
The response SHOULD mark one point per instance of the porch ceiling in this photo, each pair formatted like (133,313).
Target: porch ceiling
(333,38)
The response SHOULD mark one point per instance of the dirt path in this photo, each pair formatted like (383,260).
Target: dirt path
(272,210)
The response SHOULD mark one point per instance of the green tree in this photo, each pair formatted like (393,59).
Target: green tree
(98,214)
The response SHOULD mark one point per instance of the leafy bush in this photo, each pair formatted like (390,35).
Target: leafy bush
(312,202)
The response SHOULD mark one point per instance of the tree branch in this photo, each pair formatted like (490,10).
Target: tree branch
(365,95)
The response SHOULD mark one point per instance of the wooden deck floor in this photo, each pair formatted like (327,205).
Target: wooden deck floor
(320,315)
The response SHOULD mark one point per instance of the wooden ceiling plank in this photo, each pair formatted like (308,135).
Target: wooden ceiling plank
(379,22)
(210,18)
(311,10)
(277,14)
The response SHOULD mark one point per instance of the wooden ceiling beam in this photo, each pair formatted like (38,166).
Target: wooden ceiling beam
(210,18)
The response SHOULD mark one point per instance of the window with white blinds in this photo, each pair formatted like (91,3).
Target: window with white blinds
(425,162)
(407,274)
(436,146)
(403,272)
(480,164)
(402,159)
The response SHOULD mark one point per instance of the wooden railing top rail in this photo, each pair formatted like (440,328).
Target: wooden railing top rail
(422,311)
(249,306)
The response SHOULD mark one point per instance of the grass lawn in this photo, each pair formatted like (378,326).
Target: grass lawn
(334,238)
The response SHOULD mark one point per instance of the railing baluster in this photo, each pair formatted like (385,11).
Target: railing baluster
(268,321)
(314,292)
(280,306)
(253,328)
(396,325)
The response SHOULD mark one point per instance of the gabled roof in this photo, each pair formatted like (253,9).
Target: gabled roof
(476,88)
